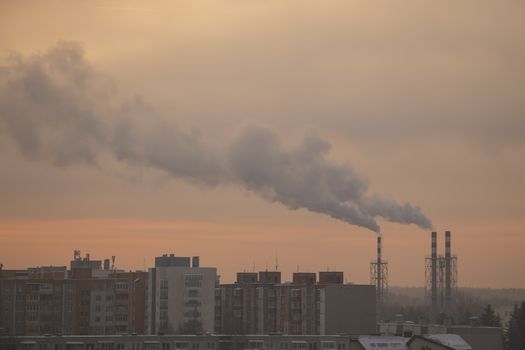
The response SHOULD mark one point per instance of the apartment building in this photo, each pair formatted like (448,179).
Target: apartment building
(51,300)
(261,304)
(180,296)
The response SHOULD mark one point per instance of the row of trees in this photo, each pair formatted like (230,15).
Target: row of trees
(466,308)
(514,331)
(515,334)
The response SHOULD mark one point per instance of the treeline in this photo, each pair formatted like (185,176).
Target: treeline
(495,296)
(468,309)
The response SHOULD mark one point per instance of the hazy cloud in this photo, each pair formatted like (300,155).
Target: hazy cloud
(50,105)
(55,106)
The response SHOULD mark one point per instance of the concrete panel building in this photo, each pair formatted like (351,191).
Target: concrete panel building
(181,296)
(47,301)
(348,309)
(263,305)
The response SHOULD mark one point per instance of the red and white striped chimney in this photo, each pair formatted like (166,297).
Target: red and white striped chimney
(434,270)
(448,269)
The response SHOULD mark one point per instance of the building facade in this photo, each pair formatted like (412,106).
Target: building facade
(175,342)
(261,304)
(41,301)
(181,296)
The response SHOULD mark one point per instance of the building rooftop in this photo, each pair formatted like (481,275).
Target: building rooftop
(452,341)
(382,342)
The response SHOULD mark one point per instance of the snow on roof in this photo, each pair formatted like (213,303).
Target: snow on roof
(383,343)
(453,341)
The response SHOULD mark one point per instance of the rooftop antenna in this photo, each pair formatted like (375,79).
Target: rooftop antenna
(276,261)
(113,263)
(253,267)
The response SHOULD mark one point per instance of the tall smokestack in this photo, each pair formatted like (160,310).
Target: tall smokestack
(434,269)
(378,249)
(379,278)
(448,269)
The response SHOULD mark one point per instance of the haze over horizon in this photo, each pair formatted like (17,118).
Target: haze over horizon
(135,129)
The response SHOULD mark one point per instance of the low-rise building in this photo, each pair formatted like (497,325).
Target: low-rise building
(368,342)
(438,342)
(176,342)
(480,338)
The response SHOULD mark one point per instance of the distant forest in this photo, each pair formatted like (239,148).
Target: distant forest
(495,296)
(470,305)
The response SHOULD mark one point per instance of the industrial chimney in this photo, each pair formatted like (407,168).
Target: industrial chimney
(434,274)
(379,286)
(441,277)
(379,251)
(448,271)
(379,278)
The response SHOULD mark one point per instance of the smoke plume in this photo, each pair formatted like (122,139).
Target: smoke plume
(55,106)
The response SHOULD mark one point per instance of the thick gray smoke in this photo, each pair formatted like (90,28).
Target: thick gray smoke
(57,107)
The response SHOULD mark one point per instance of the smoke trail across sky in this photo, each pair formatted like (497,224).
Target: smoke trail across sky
(56,106)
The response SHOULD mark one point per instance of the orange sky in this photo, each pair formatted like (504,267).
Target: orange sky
(233,247)
(424,99)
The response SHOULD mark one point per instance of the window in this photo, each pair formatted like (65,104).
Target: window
(151,346)
(299,345)
(193,280)
(121,286)
(121,296)
(193,293)
(193,303)
(192,313)
(121,318)
(163,315)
